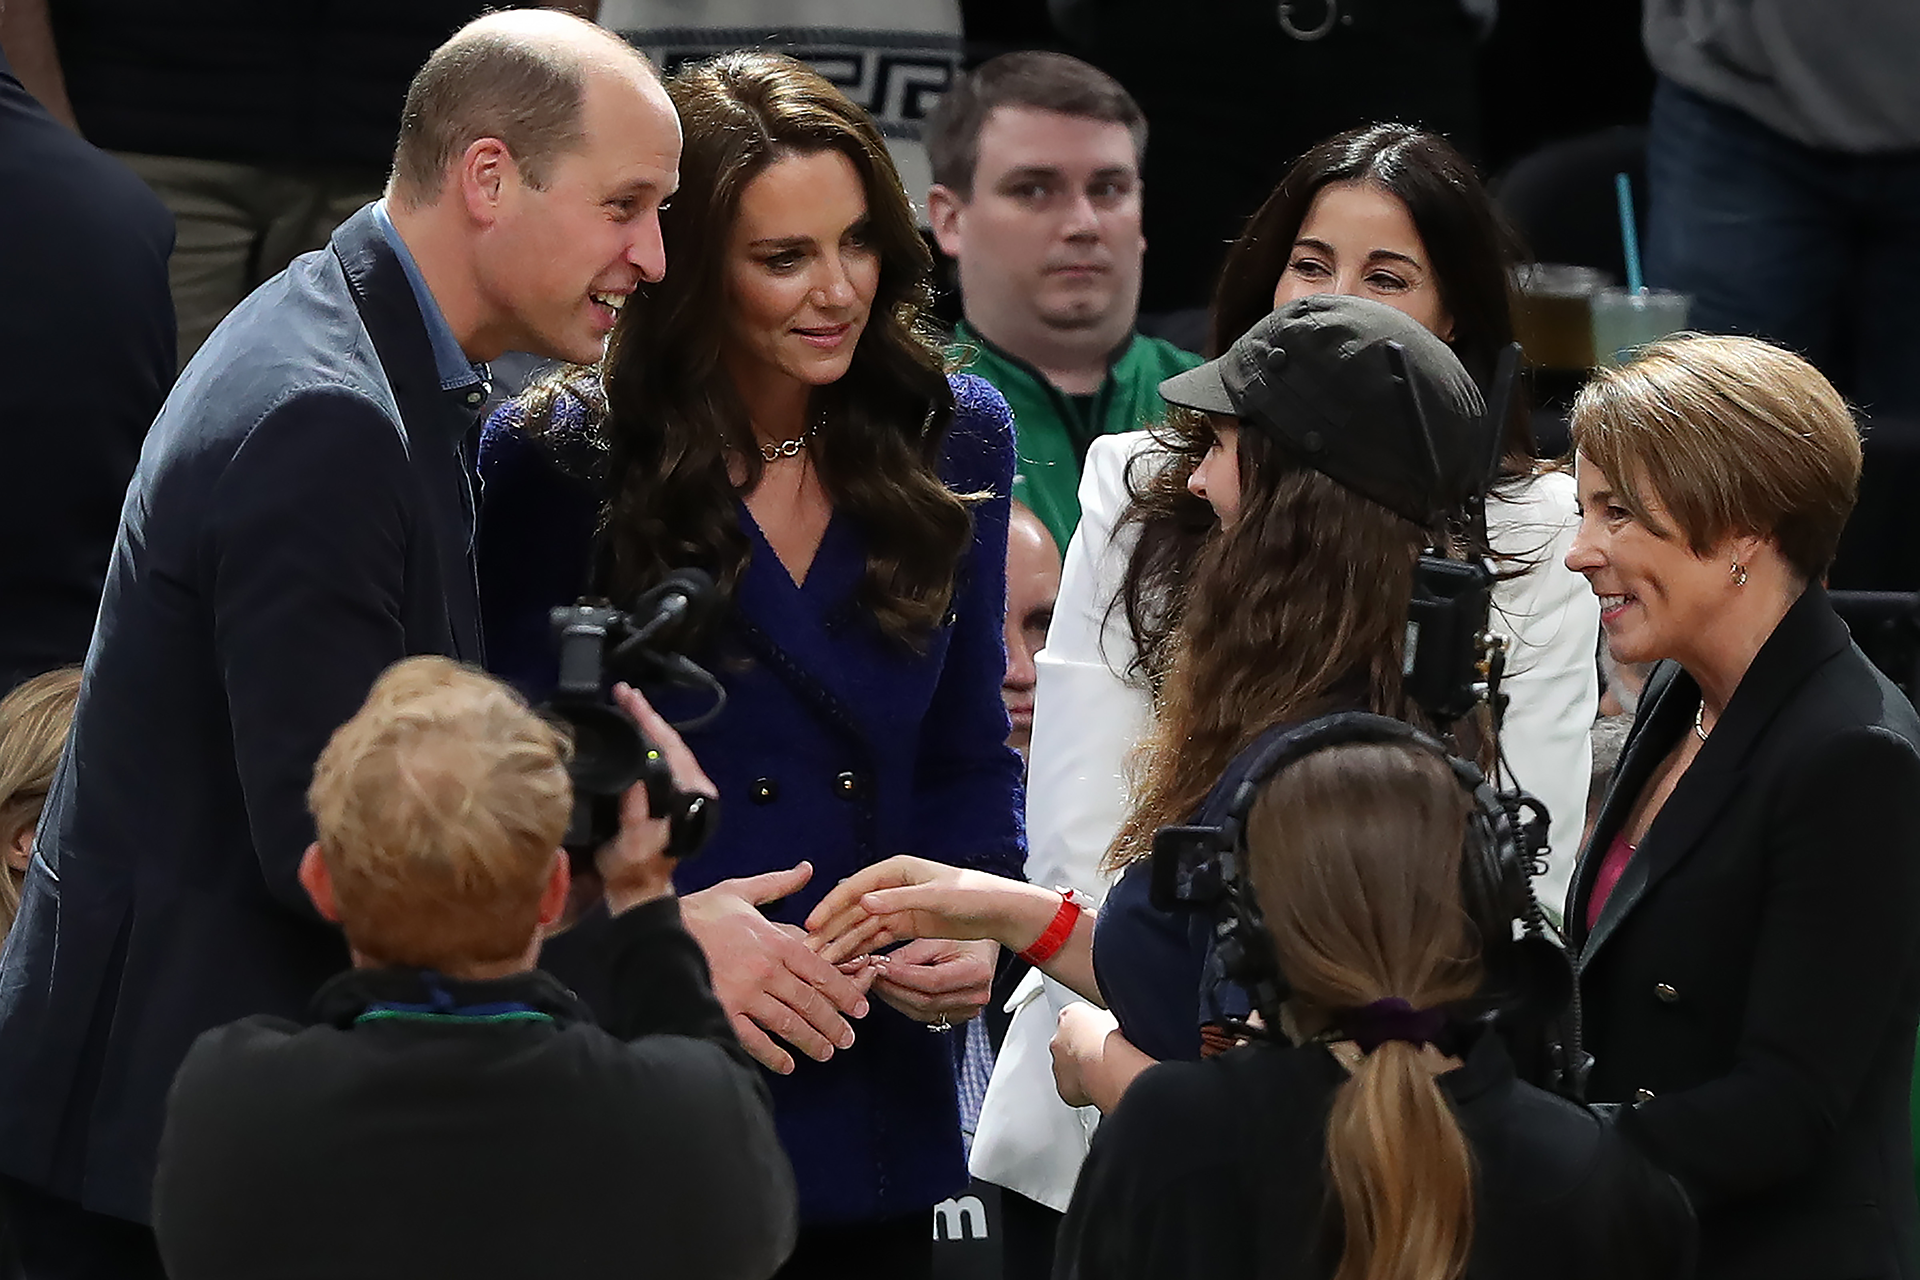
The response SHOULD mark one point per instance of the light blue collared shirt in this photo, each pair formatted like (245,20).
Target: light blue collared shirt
(449,361)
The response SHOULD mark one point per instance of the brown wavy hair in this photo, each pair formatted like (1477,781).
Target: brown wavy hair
(1472,251)
(1354,853)
(673,419)
(1299,608)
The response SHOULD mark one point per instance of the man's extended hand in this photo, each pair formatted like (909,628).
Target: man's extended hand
(766,977)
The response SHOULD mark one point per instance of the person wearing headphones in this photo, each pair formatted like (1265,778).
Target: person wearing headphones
(1392,1138)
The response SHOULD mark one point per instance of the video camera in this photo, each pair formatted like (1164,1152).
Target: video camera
(599,644)
(1453,661)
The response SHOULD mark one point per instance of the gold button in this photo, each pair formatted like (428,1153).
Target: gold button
(1665,993)
(1643,1095)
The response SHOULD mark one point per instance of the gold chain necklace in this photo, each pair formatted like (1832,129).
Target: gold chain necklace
(789,448)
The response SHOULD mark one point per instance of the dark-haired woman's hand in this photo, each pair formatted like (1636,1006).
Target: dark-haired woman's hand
(906,897)
(937,981)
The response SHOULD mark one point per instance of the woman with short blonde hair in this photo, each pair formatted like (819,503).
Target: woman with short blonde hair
(1743,912)
(1734,435)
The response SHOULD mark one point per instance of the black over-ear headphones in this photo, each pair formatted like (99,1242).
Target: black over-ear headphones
(1529,980)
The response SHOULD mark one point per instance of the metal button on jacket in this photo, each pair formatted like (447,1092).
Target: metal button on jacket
(1643,1095)
(1665,993)
(764,790)
(846,784)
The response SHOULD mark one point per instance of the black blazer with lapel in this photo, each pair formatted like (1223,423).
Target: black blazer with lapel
(1752,985)
(301,518)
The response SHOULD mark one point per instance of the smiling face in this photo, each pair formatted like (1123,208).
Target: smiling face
(1217,478)
(801,272)
(1358,239)
(1050,238)
(1658,599)
(557,261)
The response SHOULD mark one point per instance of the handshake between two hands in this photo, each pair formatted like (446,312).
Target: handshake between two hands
(780,983)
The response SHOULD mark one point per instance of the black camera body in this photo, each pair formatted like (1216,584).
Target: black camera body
(599,644)
(1452,662)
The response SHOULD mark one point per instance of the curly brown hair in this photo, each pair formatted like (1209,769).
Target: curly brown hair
(673,420)
(1298,609)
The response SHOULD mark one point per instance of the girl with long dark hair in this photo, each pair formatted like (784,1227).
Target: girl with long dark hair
(773,413)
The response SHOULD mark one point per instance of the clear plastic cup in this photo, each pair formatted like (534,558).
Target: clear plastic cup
(1624,319)
(1554,319)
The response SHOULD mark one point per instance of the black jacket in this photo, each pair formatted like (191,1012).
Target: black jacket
(505,1136)
(86,354)
(1752,984)
(1216,1169)
(300,520)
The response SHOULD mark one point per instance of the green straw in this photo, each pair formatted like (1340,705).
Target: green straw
(1629,234)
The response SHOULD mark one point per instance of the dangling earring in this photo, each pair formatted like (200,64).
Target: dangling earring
(1739,574)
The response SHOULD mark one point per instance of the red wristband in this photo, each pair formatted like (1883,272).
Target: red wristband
(1055,934)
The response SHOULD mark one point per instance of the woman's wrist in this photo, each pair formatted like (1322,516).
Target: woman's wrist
(1030,911)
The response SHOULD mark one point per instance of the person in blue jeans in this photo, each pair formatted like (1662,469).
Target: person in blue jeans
(1783,173)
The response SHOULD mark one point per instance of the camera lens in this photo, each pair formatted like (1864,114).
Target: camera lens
(608,753)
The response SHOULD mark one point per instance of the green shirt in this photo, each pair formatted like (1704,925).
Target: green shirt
(1052,432)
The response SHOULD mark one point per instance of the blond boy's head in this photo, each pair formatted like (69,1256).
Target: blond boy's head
(439,808)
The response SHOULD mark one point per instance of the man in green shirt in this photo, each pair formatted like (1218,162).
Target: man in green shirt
(1036,196)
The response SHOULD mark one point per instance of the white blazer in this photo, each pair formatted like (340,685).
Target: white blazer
(1089,718)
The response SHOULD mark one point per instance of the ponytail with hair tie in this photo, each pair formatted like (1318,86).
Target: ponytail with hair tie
(1372,1025)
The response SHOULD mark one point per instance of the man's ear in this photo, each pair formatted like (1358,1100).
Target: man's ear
(553,898)
(318,882)
(486,177)
(944,207)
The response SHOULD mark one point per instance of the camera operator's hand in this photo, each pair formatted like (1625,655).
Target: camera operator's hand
(767,978)
(937,981)
(633,866)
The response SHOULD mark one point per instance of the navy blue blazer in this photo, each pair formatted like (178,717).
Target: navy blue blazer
(300,519)
(838,745)
(86,356)
(1751,987)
